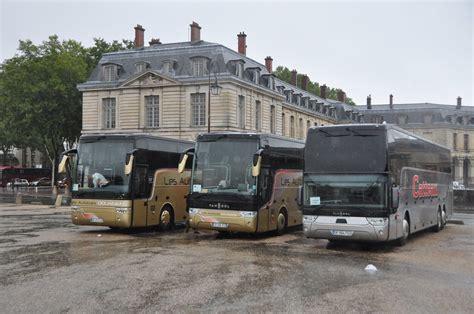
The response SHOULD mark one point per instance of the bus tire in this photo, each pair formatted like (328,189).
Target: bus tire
(406,232)
(166,218)
(282,222)
(443,218)
(439,222)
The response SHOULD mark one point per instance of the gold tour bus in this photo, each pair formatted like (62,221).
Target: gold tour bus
(244,182)
(125,181)
(374,182)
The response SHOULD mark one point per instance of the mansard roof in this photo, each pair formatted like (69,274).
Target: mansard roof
(182,54)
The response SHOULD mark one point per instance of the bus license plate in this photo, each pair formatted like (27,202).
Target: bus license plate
(343,233)
(219,225)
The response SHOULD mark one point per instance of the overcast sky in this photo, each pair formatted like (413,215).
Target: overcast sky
(419,51)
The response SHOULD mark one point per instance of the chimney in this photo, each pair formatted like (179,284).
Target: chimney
(242,45)
(139,36)
(391,101)
(195,31)
(294,76)
(341,96)
(154,41)
(323,91)
(369,102)
(304,82)
(459,103)
(269,64)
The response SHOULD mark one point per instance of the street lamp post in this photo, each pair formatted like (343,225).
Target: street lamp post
(215,90)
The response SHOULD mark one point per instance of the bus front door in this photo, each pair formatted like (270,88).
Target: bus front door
(140,196)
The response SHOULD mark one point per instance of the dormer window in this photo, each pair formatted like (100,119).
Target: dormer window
(168,66)
(110,72)
(141,66)
(199,65)
(236,67)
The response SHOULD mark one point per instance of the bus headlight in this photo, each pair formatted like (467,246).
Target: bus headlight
(248,214)
(377,221)
(193,211)
(309,219)
(122,210)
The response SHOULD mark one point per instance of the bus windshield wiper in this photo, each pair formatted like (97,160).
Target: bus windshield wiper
(332,135)
(359,134)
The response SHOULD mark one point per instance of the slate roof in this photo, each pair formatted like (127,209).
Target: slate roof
(417,112)
(182,53)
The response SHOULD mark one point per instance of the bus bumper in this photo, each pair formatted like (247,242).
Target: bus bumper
(355,228)
(116,214)
(223,220)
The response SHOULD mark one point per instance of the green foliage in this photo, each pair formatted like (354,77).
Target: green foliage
(284,74)
(41,106)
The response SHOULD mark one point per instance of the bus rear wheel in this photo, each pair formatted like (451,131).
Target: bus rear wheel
(443,219)
(166,218)
(281,223)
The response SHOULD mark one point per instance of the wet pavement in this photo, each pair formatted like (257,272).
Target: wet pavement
(49,265)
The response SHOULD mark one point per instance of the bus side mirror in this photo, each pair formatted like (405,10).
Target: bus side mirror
(300,196)
(184,159)
(182,163)
(395,198)
(129,164)
(257,163)
(62,164)
(62,167)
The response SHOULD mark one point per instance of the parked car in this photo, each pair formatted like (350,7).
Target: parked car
(17,182)
(41,182)
(458,186)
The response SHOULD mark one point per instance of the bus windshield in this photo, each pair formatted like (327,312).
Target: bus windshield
(100,170)
(224,166)
(345,191)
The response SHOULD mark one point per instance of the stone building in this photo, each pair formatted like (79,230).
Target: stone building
(449,125)
(164,89)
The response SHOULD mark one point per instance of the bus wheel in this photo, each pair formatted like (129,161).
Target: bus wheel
(439,222)
(443,219)
(281,223)
(166,218)
(406,232)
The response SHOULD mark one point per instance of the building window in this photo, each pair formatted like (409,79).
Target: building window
(258,115)
(110,72)
(308,125)
(283,124)
(152,111)
(301,129)
(241,112)
(315,123)
(292,126)
(140,67)
(466,142)
(455,141)
(108,113)
(168,66)
(198,109)
(199,67)
(272,119)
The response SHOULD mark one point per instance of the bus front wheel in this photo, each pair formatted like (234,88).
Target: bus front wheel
(281,223)
(166,218)
(439,222)
(406,232)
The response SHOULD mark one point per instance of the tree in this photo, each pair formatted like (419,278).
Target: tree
(40,104)
(40,94)
(284,74)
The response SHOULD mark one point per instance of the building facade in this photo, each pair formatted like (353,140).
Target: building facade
(164,89)
(449,125)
